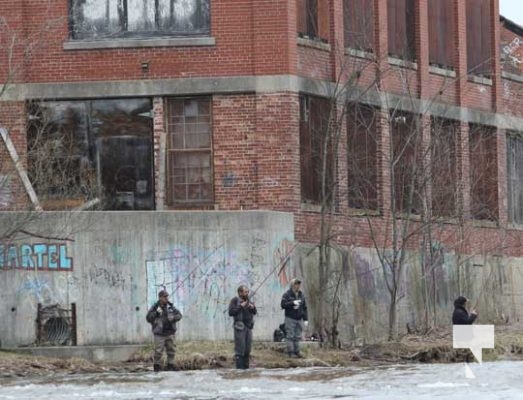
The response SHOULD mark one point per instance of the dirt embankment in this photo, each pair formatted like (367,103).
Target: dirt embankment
(436,347)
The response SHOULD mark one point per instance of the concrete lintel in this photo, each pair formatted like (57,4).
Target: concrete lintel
(252,84)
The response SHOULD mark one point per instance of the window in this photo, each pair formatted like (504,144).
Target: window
(362,157)
(444,134)
(96,19)
(313,19)
(401,20)
(358,25)
(406,163)
(515,177)
(189,152)
(84,150)
(483,172)
(479,53)
(441,33)
(316,151)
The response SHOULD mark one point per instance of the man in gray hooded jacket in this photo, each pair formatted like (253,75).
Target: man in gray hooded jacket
(293,302)
(163,316)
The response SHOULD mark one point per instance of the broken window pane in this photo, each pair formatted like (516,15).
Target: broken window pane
(95,19)
(315,147)
(189,162)
(82,150)
(483,172)
(515,177)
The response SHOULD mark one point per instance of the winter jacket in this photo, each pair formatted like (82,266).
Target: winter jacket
(163,318)
(460,316)
(243,314)
(287,303)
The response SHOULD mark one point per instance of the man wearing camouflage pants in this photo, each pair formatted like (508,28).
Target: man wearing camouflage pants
(163,317)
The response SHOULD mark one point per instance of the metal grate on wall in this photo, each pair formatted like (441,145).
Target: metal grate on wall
(56,325)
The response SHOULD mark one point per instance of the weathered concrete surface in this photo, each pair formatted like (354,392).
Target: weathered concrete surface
(118,261)
(90,353)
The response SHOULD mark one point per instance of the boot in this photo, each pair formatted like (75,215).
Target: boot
(239,362)
(172,367)
(246,360)
(157,367)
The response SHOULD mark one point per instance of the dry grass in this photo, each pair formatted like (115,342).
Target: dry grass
(436,347)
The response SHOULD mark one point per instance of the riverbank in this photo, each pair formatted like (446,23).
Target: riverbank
(433,348)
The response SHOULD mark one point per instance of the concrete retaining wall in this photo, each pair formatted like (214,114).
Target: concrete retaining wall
(118,261)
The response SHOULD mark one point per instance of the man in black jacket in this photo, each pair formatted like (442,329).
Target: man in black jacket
(163,317)
(461,316)
(293,302)
(243,311)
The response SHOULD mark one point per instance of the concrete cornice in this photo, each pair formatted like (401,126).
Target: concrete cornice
(250,84)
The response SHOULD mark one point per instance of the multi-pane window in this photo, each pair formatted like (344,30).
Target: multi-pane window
(443,167)
(483,172)
(316,151)
(441,32)
(358,24)
(515,177)
(313,19)
(86,150)
(362,158)
(189,152)
(407,163)
(401,28)
(95,19)
(479,51)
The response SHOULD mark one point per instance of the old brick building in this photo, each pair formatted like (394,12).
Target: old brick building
(215,105)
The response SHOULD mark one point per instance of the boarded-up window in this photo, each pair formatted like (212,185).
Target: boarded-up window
(95,19)
(515,177)
(401,28)
(479,48)
(313,19)
(189,152)
(406,163)
(441,32)
(362,157)
(483,172)
(443,166)
(358,24)
(316,151)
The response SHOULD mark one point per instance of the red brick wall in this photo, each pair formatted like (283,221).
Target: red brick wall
(239,49)
(12,118)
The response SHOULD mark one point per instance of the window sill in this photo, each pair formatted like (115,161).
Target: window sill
(480,79)
(313,43)
(483,223)
(403,63)
(449,73)
(515,226)
(130,43)
(349,51)
(363,212)
(512,77)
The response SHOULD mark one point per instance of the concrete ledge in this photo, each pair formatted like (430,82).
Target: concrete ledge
(480,79)
(91,353)
(127,43)
(315,44)
(512,77)
(403,63)
(433,69)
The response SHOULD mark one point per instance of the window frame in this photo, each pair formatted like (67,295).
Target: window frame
(169,174)
(124,33)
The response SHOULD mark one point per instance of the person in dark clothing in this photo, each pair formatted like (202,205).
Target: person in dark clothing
(293,302)
(163,317)
(461,316)
(243,312)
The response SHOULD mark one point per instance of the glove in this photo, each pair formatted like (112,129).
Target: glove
(159,310)
(296,304)
(305,324)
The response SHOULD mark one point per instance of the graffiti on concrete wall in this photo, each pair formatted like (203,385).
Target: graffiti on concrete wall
(208,278)
(35,256)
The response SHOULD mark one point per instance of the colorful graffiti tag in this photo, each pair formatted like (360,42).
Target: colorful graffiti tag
(35,256)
